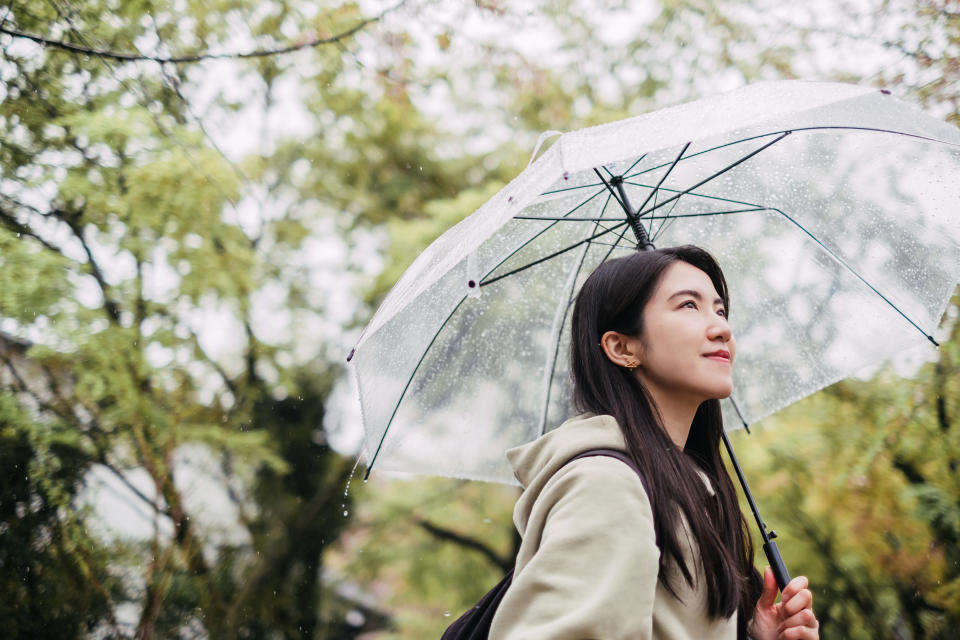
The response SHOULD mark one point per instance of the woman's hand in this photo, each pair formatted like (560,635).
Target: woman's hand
(790,619)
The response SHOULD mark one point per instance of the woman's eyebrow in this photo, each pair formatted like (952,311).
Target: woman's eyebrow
(693,294)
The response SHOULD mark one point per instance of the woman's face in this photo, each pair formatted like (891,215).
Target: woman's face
(687,348)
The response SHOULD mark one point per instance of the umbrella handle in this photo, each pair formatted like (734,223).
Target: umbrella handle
(776,563)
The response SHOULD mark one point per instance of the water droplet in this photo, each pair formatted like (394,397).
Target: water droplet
(446,614)
(345,512)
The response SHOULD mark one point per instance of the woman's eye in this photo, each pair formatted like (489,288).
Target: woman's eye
(722,313)
(690,303)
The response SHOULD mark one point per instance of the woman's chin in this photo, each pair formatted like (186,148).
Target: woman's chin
(723,391)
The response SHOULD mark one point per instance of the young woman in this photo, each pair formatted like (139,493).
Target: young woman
(605,554)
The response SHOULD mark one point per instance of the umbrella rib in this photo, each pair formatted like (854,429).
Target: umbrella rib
(664,217)
(694,193)
(739,414)
(607,220)
(665,224)
(844,264)
(552,255)
(710,213)
(540,233)
(606,244)
(570,299)
(609,251)
(403,393)
(773,133)
(565,219)
(711,149)
(630,168)
(582,186)
(653,193)
(875,130)
(560,322)
(717,174)
(613,245)
(650,222)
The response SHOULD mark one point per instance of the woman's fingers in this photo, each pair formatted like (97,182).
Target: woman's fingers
(794,586)
(799,633)
(799,622)
(805,618)
(801,600)
(769,595)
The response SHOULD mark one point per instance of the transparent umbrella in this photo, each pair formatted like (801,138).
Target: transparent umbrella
(832,209)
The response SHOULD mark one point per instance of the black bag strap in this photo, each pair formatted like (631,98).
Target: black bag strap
(474,624)
(613,453)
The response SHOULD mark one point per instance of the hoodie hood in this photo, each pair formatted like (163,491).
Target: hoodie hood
(535,463)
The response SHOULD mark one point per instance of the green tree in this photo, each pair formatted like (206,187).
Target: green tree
(126,237)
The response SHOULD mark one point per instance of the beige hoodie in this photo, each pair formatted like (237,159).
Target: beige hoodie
(587,565)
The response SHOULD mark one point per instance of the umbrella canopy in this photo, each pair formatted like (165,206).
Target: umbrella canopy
(832,209)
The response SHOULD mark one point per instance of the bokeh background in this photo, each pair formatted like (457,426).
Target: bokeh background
(202,202)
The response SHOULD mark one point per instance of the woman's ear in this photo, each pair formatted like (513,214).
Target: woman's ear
(622,350)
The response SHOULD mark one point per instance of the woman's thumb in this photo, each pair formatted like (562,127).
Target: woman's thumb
(769,595)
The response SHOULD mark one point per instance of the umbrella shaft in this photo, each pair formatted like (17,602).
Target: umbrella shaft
(769,546)
(643,240)
(746,489)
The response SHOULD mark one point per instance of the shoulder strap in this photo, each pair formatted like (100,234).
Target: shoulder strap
(613,453)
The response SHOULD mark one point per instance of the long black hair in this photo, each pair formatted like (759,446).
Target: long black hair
(613,299)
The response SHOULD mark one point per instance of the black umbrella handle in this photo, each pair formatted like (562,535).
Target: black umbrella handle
(776,563)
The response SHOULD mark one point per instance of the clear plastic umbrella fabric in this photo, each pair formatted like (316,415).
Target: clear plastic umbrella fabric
(834,211)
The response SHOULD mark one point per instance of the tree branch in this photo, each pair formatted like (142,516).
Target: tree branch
(449,535)
(129,485)
(124,56)
(109,305)
(7,220)
(908,469)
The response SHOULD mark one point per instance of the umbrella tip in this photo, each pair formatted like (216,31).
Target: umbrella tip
(935,343)
(350,355)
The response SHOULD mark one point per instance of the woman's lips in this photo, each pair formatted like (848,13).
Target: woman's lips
(719,356)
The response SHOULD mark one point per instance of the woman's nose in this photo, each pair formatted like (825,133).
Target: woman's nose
(720,330)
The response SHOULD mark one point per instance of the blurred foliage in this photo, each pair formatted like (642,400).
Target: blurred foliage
(435,544)
(129,241)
